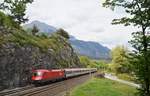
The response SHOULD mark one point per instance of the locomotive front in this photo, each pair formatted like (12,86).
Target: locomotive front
(38,76)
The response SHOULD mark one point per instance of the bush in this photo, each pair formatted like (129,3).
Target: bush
(6,20)
(63,33)
(126,77)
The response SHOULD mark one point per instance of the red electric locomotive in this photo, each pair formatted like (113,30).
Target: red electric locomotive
(43,75)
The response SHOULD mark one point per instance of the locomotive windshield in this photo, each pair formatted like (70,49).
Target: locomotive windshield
(37,73)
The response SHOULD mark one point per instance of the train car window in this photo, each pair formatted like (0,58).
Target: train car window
(68,72)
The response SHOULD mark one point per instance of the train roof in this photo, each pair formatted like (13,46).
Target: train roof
(75,69)
(66,69)
(41,70)
(47,70)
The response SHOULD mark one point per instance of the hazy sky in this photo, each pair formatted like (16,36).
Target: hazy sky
(85,19)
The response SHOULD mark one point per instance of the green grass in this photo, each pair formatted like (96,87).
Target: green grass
(103,87)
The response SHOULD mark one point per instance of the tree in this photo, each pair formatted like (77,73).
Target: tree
(16,10)
(99,64)
(120,62)
(85,61)
(139,16)
(6,21)
(35,30)
(63,33)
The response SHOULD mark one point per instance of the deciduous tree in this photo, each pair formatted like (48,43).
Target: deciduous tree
(120,62)
(139,16)
(16,9)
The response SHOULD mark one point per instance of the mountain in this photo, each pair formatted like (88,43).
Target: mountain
(43,27)
(87,48)
(91,49)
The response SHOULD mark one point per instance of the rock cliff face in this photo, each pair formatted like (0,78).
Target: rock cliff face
(17,62)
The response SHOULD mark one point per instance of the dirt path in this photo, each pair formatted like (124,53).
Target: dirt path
(109,76)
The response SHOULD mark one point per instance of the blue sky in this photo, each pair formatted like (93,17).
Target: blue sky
(85,19)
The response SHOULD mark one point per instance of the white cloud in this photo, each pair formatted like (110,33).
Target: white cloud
(85,19)
(1,1)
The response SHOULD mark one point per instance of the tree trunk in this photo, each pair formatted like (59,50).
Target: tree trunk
(147,80)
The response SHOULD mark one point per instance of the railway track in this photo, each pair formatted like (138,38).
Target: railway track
(59,88)
(48,90)
(37,91)
(7,92)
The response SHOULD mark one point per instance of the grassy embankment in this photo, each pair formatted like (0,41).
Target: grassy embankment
(103,87)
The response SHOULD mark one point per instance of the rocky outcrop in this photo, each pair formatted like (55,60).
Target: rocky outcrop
(17,62)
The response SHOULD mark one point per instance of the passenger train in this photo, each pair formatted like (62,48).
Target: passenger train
(44,75)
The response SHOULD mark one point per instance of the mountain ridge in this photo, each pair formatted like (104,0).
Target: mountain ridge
(43,27)
(91,49)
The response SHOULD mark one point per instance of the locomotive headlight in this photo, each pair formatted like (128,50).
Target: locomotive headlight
(39,73)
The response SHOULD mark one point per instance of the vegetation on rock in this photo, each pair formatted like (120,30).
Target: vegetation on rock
(63,33)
